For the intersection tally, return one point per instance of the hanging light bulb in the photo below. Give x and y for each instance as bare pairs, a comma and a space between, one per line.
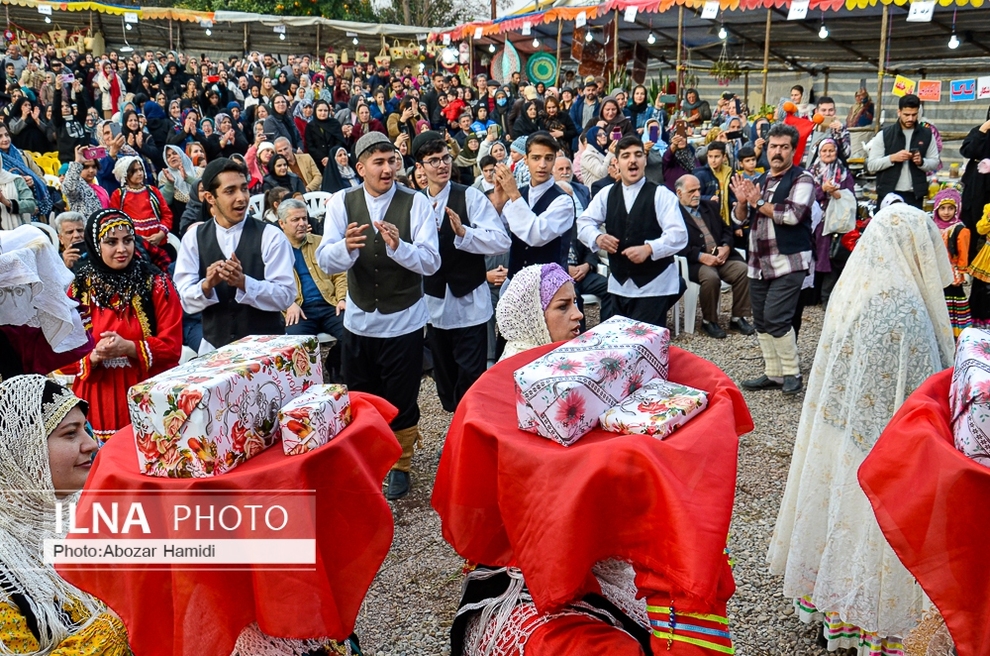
722, 34
354, 41
823, 32
651, 39
48, 19
536, 43
281, 37
127, 25
491, 48
953, 41
209, 32
589, 37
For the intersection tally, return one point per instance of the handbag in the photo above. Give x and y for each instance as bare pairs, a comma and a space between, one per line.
397, 50
840, 215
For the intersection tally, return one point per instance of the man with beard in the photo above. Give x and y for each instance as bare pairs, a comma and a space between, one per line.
236, 271
385, 237
902, 154
777, 208
644, 230
457, 295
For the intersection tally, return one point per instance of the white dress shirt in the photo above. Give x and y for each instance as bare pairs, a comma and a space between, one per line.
537, 230
422, 256
673, 239
485, 236
877, 161
274, 294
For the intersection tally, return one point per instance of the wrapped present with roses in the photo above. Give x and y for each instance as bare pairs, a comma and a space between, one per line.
969, 395
211, 414
657, 409
562, 394
313, 419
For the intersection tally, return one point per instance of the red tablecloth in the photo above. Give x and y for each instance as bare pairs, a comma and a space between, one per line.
192, 613
510, 497
933, 505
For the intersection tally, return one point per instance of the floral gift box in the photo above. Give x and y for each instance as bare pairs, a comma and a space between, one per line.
969, 395
207, 416
657, 409
313, 419
561, 394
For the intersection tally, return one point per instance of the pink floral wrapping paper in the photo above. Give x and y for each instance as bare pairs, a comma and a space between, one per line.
969, 395
561, 395
657, 409
313, 419
209, 415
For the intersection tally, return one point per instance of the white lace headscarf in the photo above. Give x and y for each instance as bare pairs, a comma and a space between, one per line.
520, 309
27, 514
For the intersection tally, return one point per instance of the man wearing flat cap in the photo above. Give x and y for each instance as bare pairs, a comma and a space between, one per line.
385, 237
236, 270
457, 295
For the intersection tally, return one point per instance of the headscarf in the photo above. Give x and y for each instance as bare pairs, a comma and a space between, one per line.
153, 110
31, 407
520, 310
282, 180
592, 138
660, 146
347, 172
125, 151
337, 177
834, 172
121, 168
688, 106
179, 175
467, 156
943, 197
97, 284
298, 111
13, 161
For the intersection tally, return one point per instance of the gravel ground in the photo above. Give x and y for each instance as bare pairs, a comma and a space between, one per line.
409, 609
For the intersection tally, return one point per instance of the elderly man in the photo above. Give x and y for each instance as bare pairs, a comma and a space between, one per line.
563, 171
301, 164
71, 227
902, 154
712, 259
321, 298
777, 207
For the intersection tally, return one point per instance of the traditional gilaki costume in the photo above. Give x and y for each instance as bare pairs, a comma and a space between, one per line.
42, 613
145, 205
956, 238
138, 303
886, 331
979, 268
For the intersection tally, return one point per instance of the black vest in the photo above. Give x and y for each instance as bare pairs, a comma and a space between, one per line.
634, 228
894, 142
522, 255
228, 320
463, 271
791, 239
376, 281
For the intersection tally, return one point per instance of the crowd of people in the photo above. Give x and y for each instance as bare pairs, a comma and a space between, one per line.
467, 220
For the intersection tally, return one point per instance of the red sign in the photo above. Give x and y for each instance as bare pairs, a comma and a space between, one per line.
929, 90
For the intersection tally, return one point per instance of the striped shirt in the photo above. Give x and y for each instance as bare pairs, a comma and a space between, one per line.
765, 260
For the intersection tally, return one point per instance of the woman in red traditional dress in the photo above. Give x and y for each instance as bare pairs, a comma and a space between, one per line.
133, 312
145, 204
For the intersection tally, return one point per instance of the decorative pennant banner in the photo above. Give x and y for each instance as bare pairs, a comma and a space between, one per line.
903, 86
983, 88
921, 11
960, 90
798, 10
929, 90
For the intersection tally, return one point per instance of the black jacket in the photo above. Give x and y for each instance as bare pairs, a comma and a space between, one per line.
696, 240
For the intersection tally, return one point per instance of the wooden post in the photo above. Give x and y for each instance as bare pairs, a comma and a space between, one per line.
826, 82
746, 88
560, 28
246, 39
680, 47
470, 54
318, 41
766, 58
615, 45
170, 34
178, 37
881, 70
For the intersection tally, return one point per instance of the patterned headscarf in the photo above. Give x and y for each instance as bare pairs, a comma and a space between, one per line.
519, 313
952, 197
834, 172
13, 161
31, 407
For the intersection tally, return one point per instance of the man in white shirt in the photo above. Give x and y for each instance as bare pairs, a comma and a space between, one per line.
385, 237
539, 215
457, 295
644, 230
235, 270
902, 154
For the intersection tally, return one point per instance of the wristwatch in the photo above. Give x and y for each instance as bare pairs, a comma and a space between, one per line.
760, 203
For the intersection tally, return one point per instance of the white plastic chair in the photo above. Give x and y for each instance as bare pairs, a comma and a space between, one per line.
256, 207
316, 203
690, 298
173, 241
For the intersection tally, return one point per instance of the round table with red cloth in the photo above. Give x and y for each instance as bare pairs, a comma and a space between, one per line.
182, 612
509, 497
933, 505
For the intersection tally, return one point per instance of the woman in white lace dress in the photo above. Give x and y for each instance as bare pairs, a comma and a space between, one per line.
887, 330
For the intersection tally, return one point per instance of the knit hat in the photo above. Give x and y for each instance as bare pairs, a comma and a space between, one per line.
422, 139
519, 145
265, 145
368, 141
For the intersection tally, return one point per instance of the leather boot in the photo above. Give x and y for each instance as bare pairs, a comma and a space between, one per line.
398, 479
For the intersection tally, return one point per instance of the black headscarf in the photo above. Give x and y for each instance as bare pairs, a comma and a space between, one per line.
98, 284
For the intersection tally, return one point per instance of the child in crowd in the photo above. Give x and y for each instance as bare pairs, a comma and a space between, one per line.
747, 163
948, 206
715, 177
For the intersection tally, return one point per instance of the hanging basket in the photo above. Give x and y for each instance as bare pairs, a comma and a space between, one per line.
383, 59
412, 51
362, 57
397, 50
